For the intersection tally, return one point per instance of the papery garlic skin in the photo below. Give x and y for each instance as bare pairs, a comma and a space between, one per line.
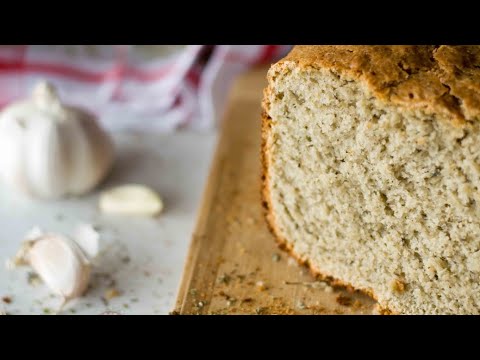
50, 150
61, 264
88, 239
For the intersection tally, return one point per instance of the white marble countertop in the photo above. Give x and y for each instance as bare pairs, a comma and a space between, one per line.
143, 258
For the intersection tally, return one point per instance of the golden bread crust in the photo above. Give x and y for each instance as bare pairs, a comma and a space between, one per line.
440, 80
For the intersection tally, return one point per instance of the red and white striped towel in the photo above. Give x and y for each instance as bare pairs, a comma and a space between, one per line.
131, 86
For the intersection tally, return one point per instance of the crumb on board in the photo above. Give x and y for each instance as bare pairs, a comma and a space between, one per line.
276, 257
224, 279
260, 310
276, 306
111, 293
311, 284
300, 305
33, 279
230, 302
7, 299
247, 300
47, 311
199, 305
110, 312
261, 286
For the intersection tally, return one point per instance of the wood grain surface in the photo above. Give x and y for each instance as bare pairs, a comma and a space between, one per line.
234, 265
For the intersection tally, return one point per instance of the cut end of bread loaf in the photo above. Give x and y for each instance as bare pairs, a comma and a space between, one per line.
373, 189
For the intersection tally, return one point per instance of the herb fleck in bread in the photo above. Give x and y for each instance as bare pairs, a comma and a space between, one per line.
372, 170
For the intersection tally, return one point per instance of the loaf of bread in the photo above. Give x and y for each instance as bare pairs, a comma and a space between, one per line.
372, 170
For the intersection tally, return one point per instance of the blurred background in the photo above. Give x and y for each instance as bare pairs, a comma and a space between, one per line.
154, 87
160, 105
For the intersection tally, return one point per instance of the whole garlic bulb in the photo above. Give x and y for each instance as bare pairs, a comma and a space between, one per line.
49, 150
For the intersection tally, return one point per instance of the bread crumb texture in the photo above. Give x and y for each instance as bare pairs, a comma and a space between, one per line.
372, 170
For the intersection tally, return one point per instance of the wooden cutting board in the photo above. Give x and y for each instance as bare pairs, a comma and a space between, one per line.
234, 265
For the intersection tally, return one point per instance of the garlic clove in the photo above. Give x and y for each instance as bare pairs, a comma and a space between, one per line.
131, 199
61, 264
88, 239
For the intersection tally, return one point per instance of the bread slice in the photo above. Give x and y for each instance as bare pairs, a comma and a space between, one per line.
372, 170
